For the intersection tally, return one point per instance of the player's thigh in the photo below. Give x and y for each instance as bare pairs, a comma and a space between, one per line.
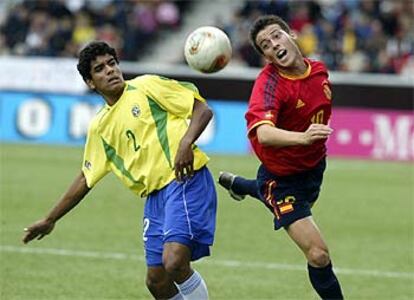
306, 234
177, 252
176, 260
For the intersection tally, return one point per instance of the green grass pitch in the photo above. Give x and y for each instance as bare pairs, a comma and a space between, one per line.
365, 211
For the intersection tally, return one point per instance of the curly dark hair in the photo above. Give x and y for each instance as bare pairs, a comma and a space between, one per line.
89, 54
262, 22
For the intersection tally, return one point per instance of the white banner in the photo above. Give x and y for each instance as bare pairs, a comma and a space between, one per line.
41, 75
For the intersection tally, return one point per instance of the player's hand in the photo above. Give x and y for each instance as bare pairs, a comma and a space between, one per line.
184, 162
38, 230
316, 132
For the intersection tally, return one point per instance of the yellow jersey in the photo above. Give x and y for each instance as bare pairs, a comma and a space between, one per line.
137, 138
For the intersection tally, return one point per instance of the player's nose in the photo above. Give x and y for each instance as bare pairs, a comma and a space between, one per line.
109, 69
275, 44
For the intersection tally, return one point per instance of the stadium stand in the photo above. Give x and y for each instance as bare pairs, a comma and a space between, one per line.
60, 27
374, 36
352, 35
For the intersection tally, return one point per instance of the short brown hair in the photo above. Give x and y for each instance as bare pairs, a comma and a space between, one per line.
89, 53
262, 22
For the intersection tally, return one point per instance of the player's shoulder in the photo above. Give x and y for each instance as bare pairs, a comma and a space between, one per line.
148, 80
94, 123
142, 79
317, 65
269, 71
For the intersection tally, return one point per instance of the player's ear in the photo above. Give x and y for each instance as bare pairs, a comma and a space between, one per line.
293, 34
90, 84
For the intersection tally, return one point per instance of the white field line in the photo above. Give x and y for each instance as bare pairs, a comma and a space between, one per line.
216, 262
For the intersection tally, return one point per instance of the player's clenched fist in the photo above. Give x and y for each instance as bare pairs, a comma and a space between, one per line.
316, 132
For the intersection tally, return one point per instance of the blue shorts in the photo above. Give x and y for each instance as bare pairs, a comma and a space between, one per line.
290, 198
182, 212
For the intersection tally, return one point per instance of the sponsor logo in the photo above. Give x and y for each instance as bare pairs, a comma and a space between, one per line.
167, 232
300, 103
88, 164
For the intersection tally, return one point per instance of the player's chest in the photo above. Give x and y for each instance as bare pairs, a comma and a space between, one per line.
133, 114
305, 96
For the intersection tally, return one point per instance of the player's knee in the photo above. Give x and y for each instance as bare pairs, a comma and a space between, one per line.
176, 261
318, 257
174, 266
160, 285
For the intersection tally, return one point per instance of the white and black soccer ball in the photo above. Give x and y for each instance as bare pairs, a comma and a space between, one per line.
207, 49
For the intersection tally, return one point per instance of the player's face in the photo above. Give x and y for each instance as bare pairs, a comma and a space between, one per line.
106, 75
278, 46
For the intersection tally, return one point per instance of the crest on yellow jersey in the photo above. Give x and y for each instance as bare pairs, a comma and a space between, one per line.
136, 111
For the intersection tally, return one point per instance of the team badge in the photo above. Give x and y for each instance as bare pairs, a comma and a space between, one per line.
136, 111
286, 205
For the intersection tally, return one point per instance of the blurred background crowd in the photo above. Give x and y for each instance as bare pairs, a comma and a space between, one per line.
349, 35
374, 36
62, 27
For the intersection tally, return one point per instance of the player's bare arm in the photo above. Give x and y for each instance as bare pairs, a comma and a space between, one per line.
75, 193
184, 159
272, 136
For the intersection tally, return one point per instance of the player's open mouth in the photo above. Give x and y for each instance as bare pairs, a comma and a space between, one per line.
281, 53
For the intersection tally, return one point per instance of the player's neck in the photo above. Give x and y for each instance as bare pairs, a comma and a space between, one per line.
112, 98
298, 68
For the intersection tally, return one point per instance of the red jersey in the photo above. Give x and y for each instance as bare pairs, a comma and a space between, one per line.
293, 104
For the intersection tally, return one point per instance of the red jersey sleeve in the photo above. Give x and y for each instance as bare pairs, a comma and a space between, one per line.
264, 104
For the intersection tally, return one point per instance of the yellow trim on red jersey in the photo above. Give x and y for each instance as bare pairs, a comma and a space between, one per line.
260, 123
296, 77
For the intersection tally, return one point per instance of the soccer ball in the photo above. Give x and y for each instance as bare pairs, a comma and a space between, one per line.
207, 49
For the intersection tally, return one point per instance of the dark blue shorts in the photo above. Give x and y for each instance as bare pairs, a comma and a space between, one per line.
290, 198
182, 212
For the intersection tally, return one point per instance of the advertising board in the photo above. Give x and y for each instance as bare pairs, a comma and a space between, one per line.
48, 118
